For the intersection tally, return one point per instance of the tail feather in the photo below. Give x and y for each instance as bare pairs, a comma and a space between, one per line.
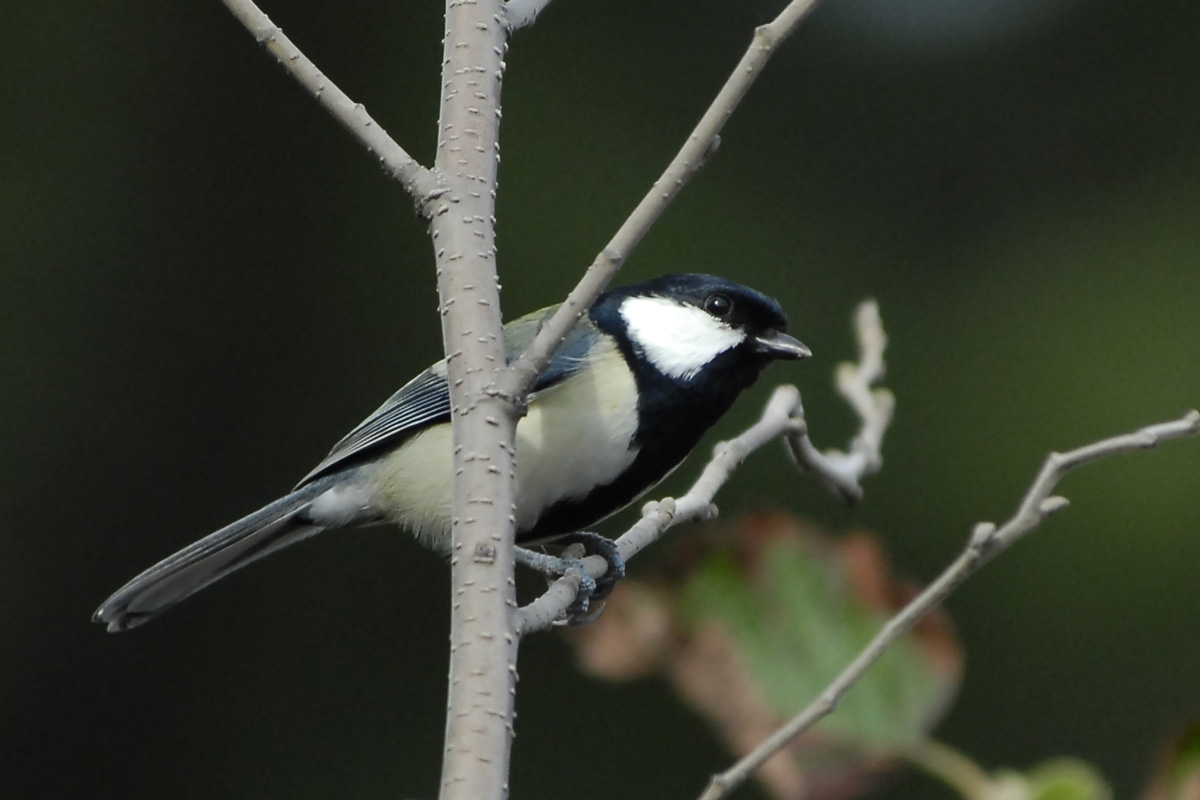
176, 577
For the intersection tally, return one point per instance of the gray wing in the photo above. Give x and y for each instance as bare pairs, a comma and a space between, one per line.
425, 400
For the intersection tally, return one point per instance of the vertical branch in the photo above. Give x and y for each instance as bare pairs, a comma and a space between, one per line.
482, 649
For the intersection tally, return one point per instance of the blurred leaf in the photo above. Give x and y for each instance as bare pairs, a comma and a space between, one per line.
1060, 779
759, 626
1178, 774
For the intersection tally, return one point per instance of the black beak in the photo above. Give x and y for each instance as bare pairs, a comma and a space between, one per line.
777, 344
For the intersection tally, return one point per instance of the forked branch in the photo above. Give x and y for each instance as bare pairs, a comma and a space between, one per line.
396, 162
841, 471
986, 541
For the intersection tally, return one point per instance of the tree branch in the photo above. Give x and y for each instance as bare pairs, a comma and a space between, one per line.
841, 472
701, 144
522, 13
483, 651
986, 542
458, 199
419, 182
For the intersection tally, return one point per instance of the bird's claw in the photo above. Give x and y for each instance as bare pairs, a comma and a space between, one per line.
596, 545
583, 609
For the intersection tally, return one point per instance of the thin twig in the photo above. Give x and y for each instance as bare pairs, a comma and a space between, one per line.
702, 143
841, 472
419, 182
985, 543
522, 13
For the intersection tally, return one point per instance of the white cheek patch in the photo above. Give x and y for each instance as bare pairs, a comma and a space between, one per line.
678, 339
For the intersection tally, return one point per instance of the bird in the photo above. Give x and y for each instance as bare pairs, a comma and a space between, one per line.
638, 380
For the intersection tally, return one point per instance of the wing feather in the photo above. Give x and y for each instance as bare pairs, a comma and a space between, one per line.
425, 400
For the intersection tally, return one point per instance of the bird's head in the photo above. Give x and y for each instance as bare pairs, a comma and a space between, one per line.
683, 324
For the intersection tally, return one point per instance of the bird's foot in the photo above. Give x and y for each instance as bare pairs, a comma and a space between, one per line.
554, 567
580, 612
596, 545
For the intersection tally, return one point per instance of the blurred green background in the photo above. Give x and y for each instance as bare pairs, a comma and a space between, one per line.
204, 283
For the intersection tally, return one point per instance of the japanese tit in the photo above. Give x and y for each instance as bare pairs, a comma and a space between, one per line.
637, 382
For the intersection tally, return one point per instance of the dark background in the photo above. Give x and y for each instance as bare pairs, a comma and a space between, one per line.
204, 283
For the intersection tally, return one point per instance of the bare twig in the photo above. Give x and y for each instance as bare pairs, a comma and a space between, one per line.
522, 13
838, 471
419, 182
986, 541
702, 143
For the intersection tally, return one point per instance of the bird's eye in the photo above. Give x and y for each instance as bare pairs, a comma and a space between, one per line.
717, 304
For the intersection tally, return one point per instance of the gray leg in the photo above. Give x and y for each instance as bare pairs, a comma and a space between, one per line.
590, 590
553, 568
596, 545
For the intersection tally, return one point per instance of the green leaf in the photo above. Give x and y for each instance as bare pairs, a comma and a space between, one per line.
758, 624
799, 610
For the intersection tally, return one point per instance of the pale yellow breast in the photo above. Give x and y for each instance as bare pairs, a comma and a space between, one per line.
557, 457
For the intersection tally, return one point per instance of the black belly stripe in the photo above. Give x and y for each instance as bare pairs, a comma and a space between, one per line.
673, 417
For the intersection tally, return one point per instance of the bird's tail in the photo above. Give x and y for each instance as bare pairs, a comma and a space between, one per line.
271, 528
